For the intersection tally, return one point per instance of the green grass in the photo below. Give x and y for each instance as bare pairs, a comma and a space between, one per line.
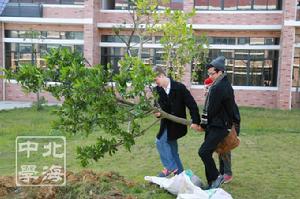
266, 165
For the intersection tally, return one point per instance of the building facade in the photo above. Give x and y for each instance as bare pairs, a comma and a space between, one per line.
259, 38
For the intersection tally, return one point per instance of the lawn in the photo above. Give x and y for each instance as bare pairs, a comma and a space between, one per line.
266, 165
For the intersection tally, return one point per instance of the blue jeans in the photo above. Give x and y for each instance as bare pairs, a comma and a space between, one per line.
168, 152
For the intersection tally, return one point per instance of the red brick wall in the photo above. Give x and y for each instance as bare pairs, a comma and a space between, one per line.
266, 99
14, 92
50, 12
43, 27
238, 19
198, 95
295, 100
289, 9
186, 79
91, 34
286, 57
113, 18
209, 18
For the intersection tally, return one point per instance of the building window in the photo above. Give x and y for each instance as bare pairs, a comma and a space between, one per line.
128, 5
32, 34
48, 1
17, 54
73, 35
238, 4
257, 41
121, 38
296, 71
112, 55
222, 40
243, 67
244, 40
246, 67
11, 34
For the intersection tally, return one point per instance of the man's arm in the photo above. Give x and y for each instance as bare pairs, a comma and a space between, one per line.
190, 102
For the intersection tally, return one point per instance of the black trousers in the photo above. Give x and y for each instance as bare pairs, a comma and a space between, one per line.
213, 136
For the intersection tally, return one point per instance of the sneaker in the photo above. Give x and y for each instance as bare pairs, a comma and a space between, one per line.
227, 178
217, 182
165, 172
175, 172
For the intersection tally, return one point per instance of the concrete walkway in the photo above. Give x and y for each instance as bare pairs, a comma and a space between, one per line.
7, 105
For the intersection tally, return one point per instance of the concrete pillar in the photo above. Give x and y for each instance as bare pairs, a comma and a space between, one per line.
1, 61
187, 77
284, 96
188, 6
91, 36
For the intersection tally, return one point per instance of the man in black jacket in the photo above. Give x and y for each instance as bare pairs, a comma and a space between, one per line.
225, 158
173, 99
218, 111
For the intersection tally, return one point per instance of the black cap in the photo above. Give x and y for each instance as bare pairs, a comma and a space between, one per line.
218, 63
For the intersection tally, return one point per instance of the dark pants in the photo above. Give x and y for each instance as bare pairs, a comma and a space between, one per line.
213, 136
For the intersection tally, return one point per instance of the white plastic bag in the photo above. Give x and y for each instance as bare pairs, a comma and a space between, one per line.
182, 186
212, 194
179, 184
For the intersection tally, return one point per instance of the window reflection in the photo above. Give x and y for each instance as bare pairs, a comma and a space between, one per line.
247, 67
296, 71
238, 4
34, 34
49, 1
128, 4
17, 54
244, 67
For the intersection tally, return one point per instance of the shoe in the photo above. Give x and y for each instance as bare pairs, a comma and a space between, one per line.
176, 172
165, 172
217, 182
227, 178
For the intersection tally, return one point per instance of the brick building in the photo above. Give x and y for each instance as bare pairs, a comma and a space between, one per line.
259, 38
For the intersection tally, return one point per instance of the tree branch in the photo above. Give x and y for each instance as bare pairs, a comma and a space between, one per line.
164, 115
141, 133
